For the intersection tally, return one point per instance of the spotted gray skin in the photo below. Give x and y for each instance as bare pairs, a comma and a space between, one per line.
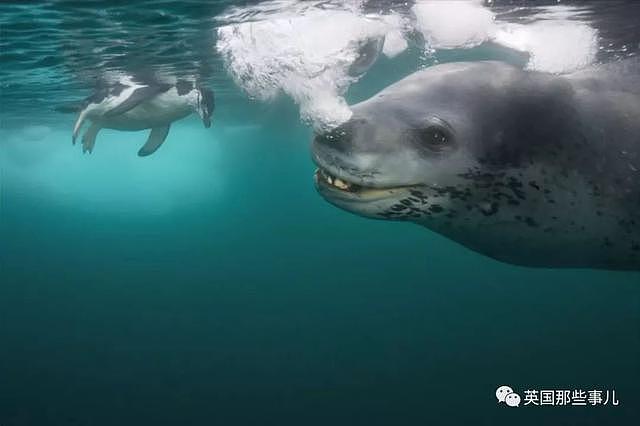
528, 168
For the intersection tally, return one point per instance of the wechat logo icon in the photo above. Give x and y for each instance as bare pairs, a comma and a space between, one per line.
508, 396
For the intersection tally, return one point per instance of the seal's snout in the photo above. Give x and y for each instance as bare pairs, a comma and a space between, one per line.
340, 138
337, 138
335, 154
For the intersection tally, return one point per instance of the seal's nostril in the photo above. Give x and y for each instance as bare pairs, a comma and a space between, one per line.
342, 137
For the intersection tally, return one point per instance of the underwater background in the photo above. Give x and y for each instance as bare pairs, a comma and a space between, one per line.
209, 284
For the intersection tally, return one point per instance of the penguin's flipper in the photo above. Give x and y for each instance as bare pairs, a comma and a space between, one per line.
139, 95
78, 125
156, 137
89, 138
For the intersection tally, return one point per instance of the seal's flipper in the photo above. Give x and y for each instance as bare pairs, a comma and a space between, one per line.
139, 95
89, 138
156, 137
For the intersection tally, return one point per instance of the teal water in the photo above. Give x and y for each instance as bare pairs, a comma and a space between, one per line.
210, 285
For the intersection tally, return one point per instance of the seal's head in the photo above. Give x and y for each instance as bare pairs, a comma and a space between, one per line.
484, 153
418, 138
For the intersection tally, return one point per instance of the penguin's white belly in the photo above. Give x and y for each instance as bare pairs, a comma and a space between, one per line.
153, 113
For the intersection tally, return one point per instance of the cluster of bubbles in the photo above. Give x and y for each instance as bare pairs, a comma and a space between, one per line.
313, 51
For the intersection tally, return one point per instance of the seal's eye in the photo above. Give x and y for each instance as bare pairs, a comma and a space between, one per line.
435, 137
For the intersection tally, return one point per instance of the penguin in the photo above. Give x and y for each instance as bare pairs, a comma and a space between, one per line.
130, 106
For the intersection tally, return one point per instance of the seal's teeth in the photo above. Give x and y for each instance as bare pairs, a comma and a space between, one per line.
340, 184
336, 182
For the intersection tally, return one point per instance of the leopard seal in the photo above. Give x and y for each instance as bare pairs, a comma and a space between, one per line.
525, 167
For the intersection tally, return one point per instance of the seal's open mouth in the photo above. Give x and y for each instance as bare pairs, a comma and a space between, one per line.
334, 187
324, 177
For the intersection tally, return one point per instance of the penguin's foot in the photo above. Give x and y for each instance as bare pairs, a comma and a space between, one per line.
89, 138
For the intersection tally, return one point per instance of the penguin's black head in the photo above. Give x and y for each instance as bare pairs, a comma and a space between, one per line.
206, 104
